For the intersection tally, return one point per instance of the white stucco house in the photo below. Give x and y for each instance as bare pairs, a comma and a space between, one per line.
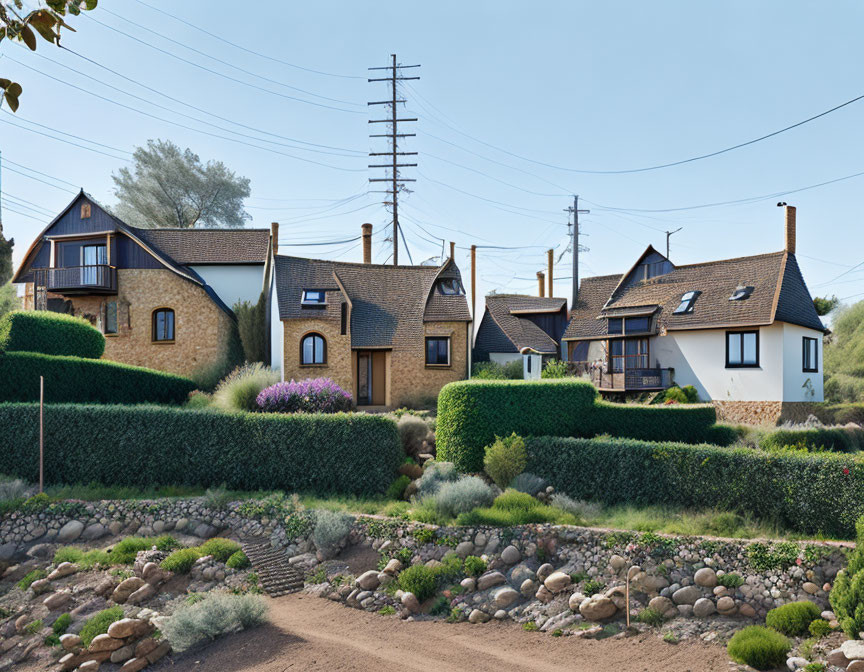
744, 332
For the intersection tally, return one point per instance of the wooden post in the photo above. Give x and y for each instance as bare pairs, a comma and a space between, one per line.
551, 260
41, 434
630, 574
473, 284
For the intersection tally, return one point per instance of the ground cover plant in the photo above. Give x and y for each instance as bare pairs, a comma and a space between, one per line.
98, 624
759, 647
215, 615
794, 618
181, 560
314, 395
516, 508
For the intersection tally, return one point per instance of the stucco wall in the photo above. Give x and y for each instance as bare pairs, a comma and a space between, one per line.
233, 282
799, 385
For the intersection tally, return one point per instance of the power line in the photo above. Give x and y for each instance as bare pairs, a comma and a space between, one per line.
68, 142
250, 51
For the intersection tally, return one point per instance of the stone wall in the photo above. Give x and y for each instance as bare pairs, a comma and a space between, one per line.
762, 412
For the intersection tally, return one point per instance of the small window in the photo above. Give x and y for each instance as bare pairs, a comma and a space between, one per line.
163, 325
343, 327
637, 325
313, 349
742, 349
687, 301
85, 211
741, 293
313, 297
811, 355
110, 324
615, 325
451, 287
529, 363
437, 351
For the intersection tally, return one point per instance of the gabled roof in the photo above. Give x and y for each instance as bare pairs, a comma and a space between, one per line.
779, 293
509, 313
209, 246
389, 304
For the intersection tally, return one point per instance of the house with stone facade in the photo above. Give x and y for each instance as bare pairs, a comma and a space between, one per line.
390, 335
743, 331
161, 297
518, 327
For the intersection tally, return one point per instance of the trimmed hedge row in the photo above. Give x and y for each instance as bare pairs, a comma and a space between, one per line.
148, 445
472, 413
836, 439
811, 493
50, 333
80, 380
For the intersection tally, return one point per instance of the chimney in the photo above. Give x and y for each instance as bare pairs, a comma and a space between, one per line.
541, 283
367, 243
790, 228
274, 235
452, 250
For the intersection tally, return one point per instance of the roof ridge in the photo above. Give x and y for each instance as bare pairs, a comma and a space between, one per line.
190, 229
360, 263
725, 261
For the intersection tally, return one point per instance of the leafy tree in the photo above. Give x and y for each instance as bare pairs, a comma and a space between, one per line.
22, 26
844, 356
9, 300
170, 187
825, 305
5, 258
252, 325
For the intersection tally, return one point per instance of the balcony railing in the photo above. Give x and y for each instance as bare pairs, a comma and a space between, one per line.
635, 379
99, 278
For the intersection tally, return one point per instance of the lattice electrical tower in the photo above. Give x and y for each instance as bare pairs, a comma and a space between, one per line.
391, 168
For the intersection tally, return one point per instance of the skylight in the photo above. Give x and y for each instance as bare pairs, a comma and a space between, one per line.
313, 297
741, 293
687, 301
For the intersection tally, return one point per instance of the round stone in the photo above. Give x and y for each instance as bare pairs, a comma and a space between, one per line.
705, 577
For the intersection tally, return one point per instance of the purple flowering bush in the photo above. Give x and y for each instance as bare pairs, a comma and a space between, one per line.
313, 395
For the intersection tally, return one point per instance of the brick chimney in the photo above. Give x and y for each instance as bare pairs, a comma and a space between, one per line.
367, 243
274, 236
790, 228
452, 250
541, 283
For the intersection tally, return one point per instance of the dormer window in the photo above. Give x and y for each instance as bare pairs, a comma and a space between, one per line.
313, 297
741, 293
686, 305
451, 287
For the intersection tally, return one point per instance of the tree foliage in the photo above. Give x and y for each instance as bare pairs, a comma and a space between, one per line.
18, 24
170, 187
9, 300
844, 356
252, 325
825, 304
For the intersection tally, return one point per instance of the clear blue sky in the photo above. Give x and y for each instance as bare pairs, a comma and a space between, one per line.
584, 85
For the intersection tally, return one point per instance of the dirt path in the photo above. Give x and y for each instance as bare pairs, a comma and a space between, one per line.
310, 634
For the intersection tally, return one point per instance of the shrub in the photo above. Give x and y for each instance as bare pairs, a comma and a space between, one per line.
434, 476
515, 508
793, 619
840, 414
731, 580
675, 394
318, 395
474, 566
30, 577
528, 483
420, 580
80, 380
837, 439
397, 487
61, 625
252, 328
219, 548
240, 389
505, 459
554, 368
350, 453
217, 614
98, 624
495, 371
759, 647
12, 489
181, 560
217, 497
809, 493
238, 560
461, 496
651, 617
50, 334
819, 627
847, 595
33, 627
592, 587
413, 432
331, 527
582, 511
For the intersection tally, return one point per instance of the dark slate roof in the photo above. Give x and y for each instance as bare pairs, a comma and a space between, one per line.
491, 338
508, 312
389, 303
779, 293
209, 246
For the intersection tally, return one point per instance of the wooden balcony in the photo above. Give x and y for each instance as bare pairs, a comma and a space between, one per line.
97, 279
636, 379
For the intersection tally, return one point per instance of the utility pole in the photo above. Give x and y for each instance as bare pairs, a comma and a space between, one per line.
550, 262
668, 234
574, 235
473, 285
395, 182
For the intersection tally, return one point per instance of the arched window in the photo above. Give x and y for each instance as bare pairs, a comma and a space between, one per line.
163, 325
313, 349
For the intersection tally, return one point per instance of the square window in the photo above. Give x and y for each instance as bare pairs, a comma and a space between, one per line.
635, 325
438, 351
615, 325
313, 297
742, 349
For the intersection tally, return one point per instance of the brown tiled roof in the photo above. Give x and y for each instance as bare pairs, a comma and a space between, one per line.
209, 246
509, 312
779, 293
389, 303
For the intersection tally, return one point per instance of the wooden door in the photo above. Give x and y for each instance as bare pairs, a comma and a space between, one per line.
379, 378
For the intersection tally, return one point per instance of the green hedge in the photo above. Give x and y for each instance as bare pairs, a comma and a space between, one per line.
472, 413
811, 493
150, 446
80, 380
50, 333
836, 439
839, 414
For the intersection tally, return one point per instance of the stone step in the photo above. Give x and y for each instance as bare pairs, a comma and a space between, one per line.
277, 576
